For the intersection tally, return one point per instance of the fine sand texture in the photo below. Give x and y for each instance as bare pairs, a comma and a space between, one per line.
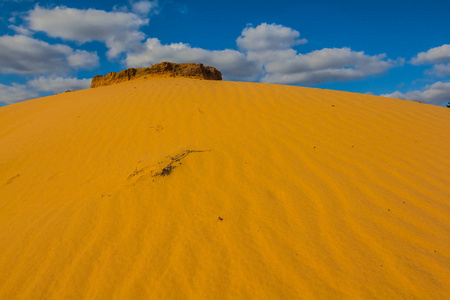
192, 189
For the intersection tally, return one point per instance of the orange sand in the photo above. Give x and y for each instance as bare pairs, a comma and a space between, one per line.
322, 194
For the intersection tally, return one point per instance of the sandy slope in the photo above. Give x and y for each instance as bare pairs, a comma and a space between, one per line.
323, 194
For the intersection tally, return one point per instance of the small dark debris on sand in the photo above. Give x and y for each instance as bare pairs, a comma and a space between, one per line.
12, 179
167, 170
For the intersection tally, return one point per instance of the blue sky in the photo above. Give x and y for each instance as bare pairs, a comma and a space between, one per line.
393, 48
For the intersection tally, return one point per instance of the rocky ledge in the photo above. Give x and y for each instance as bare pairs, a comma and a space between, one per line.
164, 69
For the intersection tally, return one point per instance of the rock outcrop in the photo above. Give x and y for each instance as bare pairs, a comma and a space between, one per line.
164, 69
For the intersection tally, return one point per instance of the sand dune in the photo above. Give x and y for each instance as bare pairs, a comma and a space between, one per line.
191, 189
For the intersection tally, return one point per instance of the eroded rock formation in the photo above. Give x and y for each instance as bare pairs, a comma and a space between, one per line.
164, 69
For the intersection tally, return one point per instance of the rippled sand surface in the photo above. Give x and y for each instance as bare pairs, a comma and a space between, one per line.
191, 189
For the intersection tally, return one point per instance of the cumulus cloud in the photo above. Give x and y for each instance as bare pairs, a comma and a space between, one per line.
439, 57
144, 7
329, 64
436, 93
440, 70
233, 64
120, 31
24, 55
82, 59
19, 92
21, 30
266, 53
16, 92
435, 55
270, 46
59, 84
265, 37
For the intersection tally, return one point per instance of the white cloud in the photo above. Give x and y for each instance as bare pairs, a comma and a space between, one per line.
330, 58
436, 93
440, 70
82, 59
59, 84
271, 47
24, 55
266, 53
120, 31
232, 63
21, 30
435, 55
19, 92
265, 37
15, 93
328, 64
144, 7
